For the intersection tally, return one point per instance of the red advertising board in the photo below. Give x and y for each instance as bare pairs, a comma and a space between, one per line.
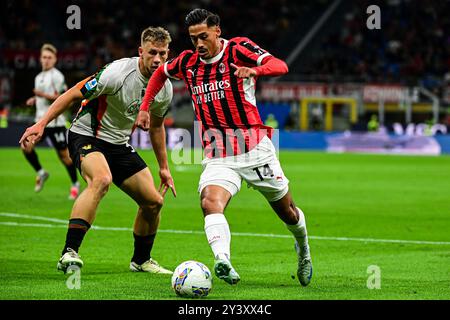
284, 91
389, 93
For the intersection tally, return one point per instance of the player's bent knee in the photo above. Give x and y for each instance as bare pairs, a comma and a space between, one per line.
26, 149
212, 205
153, 206
101, 183
157, 203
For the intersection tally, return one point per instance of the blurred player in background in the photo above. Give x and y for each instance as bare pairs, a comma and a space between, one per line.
48, 86
220, 77
98, 145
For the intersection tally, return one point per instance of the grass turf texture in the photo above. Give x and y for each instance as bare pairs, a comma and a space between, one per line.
342, 195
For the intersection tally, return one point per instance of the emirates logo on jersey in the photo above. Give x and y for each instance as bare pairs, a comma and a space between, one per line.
221, 68
208, 92
211, 86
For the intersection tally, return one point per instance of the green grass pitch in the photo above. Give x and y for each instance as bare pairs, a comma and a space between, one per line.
351, 201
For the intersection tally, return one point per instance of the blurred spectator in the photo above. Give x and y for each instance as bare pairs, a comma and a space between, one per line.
412, 47
317, 117
290, 123
271, 121
373, 125
110, 29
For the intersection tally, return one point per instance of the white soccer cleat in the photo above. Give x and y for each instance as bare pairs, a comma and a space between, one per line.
40, 180
74, 191
225, 271
150, 266
70, 258
304, 269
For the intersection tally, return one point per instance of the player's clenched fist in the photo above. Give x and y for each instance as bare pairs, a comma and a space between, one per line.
143, 120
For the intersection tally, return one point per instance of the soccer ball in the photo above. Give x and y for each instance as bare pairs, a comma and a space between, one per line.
192, 279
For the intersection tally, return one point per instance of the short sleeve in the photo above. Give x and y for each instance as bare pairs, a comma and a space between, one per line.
249, 53
106, 81
59, 82
161, 104
174, 67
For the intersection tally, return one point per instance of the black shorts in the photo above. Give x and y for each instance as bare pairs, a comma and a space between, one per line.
57, 136
123, 160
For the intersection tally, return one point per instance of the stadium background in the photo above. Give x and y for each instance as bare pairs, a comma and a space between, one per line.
399, 73
341, 75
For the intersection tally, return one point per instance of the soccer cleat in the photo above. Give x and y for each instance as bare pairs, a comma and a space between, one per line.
305, 269
74, 191
70, 258
150, 266
40, 180
225, 271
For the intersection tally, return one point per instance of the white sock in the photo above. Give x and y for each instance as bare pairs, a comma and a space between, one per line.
299, 229
41, 171
218, 235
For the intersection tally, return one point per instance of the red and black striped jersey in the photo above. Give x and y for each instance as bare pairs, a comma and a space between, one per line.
223, 103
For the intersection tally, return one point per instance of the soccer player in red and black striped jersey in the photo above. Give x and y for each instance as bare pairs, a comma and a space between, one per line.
220, 76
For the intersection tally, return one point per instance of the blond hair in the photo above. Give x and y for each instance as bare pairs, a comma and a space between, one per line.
155, 34
49, 47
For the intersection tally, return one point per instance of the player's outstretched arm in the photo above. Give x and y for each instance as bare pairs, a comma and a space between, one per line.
154, 85
34, 133
158, 139
270, 66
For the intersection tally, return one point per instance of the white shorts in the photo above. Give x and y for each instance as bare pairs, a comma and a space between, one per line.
260, 168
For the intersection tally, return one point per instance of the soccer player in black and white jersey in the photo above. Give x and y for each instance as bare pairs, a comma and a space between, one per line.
48, 86
98, 145
220, 76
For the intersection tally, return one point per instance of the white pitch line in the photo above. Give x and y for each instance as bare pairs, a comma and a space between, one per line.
34, 225
32, 217
242, 234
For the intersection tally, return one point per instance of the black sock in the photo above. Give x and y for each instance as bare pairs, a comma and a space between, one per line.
72, 173
142, 248
75, 234
32, 158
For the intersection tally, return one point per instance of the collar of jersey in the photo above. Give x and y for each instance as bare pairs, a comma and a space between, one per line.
141, 76
49, 70
219, 56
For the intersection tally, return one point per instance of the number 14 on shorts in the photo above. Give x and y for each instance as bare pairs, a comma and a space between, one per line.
264, 171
